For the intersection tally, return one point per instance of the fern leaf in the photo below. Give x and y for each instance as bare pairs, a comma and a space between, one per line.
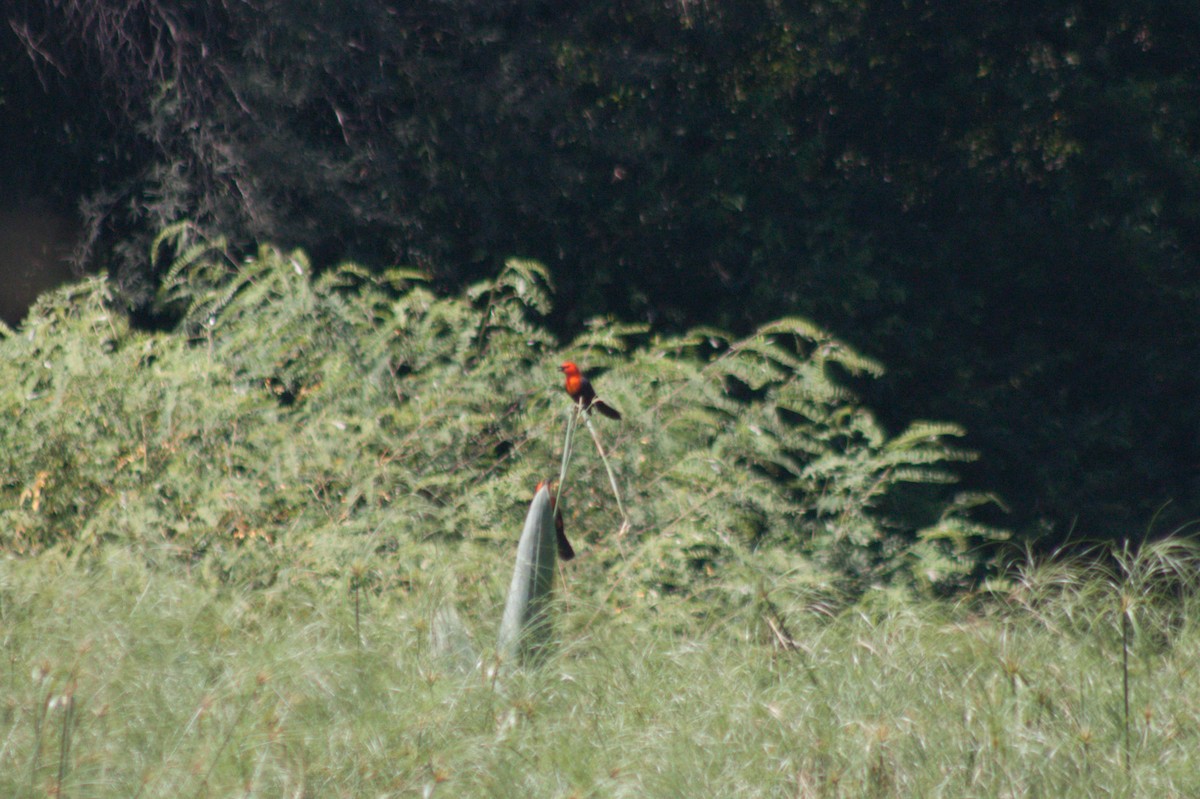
795, 326
923, 433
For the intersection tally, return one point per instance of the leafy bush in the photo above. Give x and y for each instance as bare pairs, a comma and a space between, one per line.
291, 426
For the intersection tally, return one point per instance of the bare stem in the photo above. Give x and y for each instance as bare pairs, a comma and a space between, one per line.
612, 478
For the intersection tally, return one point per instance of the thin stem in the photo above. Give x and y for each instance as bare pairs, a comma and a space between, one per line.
568, 445
612, 478
64, 750
357, 628
203, 788
1125, 677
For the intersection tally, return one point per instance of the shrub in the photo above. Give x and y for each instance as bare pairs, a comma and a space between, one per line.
290, 426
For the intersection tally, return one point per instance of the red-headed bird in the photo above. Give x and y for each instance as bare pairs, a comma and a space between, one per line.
565, 551
580, 390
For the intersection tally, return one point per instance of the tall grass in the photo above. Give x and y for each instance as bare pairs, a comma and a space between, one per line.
121, 681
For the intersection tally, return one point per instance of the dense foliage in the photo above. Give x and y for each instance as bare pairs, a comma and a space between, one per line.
999, 200
292, 424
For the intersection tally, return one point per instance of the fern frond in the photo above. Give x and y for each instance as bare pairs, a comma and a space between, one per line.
177, 233
924, 433
916, 474
711, 337
755, 372
849, 359
795, 326
607, 336
766, 349
530, 281
399, 279
343, 276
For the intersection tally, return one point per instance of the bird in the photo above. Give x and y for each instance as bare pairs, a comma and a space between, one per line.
579, 388
565, 550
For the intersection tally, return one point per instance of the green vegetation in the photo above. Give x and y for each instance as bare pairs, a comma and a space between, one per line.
300, 425
266, 553
121, 680
258, 513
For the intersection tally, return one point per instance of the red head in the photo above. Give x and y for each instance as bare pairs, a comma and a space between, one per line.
569, 369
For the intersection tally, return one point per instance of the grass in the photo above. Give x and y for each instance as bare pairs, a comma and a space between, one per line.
122, 681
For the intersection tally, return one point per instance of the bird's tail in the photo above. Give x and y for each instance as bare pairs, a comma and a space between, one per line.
565, 551
607, 410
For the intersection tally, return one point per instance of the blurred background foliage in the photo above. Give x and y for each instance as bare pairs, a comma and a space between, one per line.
998, 201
